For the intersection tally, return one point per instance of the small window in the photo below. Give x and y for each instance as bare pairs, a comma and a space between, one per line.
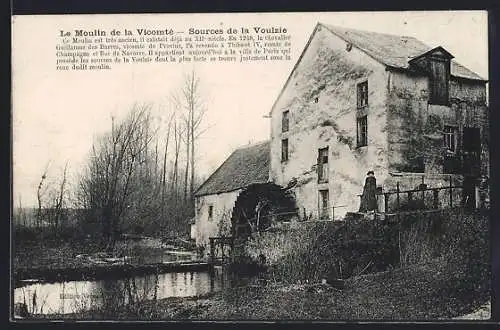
324, 204
450, 138
284, 150
210, 212
323, 165
285, 121
363, 94
362, 131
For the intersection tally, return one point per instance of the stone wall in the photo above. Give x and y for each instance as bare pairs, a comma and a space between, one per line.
403, 128
321, 97
415, 127
221, 219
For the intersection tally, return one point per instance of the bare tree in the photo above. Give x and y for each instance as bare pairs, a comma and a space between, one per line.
127, 183
39, 195
178, 137
21, 214
164, 170
191, 102
59, 203
118, 160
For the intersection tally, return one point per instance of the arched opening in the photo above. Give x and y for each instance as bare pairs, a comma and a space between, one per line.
260, 205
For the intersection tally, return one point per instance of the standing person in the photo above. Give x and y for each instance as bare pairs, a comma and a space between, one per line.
369, 199
483, 192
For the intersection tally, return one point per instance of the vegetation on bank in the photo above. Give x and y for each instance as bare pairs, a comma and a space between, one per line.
39, 253
421, 292
444, 274
139, 176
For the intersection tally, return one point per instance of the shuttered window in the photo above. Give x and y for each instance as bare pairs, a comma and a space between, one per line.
285, 121
362, 131
324, 204
210, 212
323, 165
362, 92
284, 150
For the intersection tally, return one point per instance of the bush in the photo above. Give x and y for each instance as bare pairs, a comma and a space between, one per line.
423, 236
67, 233
328, 251
25, 234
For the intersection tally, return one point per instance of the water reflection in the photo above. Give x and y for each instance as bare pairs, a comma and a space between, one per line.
76, 296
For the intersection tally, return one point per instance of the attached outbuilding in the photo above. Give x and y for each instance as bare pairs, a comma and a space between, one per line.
216, 197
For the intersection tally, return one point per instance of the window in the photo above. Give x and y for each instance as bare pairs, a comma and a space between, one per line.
324, 204
438, 81
323, 165
210, 212
284, 150
363, 94
450, 138
362, 131
285, 120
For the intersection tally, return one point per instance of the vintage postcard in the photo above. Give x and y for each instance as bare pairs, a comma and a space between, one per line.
251, 166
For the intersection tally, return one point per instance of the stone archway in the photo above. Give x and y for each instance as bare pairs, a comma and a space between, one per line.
258, 206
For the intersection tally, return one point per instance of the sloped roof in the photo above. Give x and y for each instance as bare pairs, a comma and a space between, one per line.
392, 50
243, 167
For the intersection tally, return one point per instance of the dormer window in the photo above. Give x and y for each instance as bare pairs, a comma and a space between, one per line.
436, 64
439, 80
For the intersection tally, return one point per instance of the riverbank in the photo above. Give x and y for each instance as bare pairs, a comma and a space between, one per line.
435, 290
58, 260
103, 271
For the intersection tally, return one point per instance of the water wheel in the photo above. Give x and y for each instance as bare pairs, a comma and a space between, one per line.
258, 206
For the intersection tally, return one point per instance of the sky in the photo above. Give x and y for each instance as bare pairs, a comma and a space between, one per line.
57, 114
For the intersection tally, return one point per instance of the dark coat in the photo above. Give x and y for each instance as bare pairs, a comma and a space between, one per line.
369, 199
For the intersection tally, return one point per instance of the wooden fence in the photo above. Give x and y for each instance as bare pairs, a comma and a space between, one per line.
220, 249
416, 198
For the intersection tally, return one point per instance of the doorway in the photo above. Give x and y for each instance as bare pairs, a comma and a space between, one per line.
471, 151
469, 192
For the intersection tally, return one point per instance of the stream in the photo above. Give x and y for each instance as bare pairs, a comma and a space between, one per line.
76, 296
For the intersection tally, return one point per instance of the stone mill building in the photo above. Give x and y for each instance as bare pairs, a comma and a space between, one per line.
358, 101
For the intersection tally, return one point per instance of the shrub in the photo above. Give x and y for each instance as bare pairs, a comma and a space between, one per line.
327, 250
330, 251
25, 234
423, 236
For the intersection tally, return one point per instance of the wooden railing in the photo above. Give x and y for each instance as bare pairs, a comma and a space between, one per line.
419, 195
220, 244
